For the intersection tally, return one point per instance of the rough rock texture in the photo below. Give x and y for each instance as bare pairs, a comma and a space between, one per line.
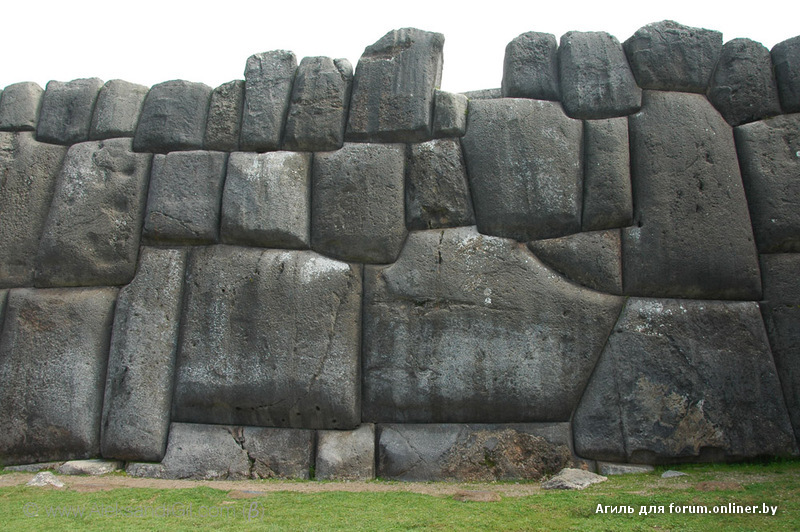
89, 467
92, 233
34, 468
53, 355
268, 86
669, 56
279, 453
319, 103
173, 117
28, 171
471, 328
572, 479
596, 80
682, 381
117, 111
66, 112
19, 106
267, 200
437, 194
357, 209
769, 156
346, 455
225, 117
183, 204
45, 478
269, 338
141, 363
524, 166
3, 299
743, 87
786, 62
612, 468
484, 94
607, 195
449, 114
530, 67
393, 87
692, 236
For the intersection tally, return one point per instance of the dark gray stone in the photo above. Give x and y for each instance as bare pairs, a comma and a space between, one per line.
34, 468
607, 195
572, 479
66, 112
393, 88
530, 67
449, 114
268, 87
769, 157
692, 236
224, 123
92, 233
173, 117
269, 338
279, 453
319, 103
3, 299
786, 61
524, 166
346, 455
19, 106
471, 328
357, 209
684, 381
94, 466
183, 204
267, 200
141, 363
484, 94
596, 80
53, 355
669, 56
743, 87
117, 111
437, 194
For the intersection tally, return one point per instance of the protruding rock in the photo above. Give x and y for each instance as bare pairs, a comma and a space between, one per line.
173, 117
530, 68
45, 478
279, 453
117, 111
607, 195
786, 61
66, 112
572, 479
224, 123
449, 114
19, 106
346, 455
268, 86
92, 467
484, 94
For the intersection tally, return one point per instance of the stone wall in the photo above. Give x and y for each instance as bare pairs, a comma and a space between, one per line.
317, 271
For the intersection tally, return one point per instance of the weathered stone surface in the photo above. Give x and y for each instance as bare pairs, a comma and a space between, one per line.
596, 80
117, 111
437, 194
786, 62
66, 112
530, 67
45, 478
319, 103
743, 87
449, 114
34, 468
669, 56
268, 86
89, 467
484, 94
572, 479
19, 106
3, 299
769, 157
28, 172
346, 455
673, 474
92, 232
183, 204
692, 235
470, 328
607, 195
141, 363
684, 380
279, 453
269, 338
524, 166
267, 200
53, 355
357, 209
591, 259
225, 117
173, 117
612, 468
393, 87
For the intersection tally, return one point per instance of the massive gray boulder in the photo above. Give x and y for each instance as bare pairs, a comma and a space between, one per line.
224, 123
173, 117
66, 112
346, 454
786, 62
449, 114
607, 195
19, 106
279, 453
268, 85
530, 67
117, 110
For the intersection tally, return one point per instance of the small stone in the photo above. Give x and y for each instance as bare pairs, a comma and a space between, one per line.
225, 117
90, 467
173, 117
268, 87
117, 111
572, 479
66, 113
45, 478
673, 474
530, 68
19, 107
449, 114
786, 60
611, 468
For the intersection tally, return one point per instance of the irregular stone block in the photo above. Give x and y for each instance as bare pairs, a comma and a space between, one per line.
786, 61
28, 171
45, 478
437, 194
269, 338
524, 166
319, 103
117, 111
484, 94
267, 200
92, 233
53, 356
183, 204
530, 67
224, 123
173, 117
393, 88
449, 114
90, 467
268, 85
66, 112
279, 453
141, 364
672, 57
471, 328
346, 455
607, 195
743, 87
769, 157
684, 380
19, 106
357, 210
692, 236
572, 479
596, 80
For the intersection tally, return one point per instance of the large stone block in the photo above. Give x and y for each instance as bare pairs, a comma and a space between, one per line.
117, 111
19, 106
53, 355
346, 454
524, 166
530, 67
472, 328
65, 116
268, 86
279, 453
173, 117
786, 61
607, 194
449, 114
224, 123
92, 233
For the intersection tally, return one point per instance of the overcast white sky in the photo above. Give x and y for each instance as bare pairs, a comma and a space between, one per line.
150, 41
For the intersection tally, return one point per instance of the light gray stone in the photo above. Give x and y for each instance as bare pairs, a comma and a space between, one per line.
268, 86
224, 123
613, 468
279, 453
19, 106
672, 474
607, 194
346, 455
173, 117
786, 62
530, 67
449, 114
92, 467
117, 111
572, 479
65, 116
45, 478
